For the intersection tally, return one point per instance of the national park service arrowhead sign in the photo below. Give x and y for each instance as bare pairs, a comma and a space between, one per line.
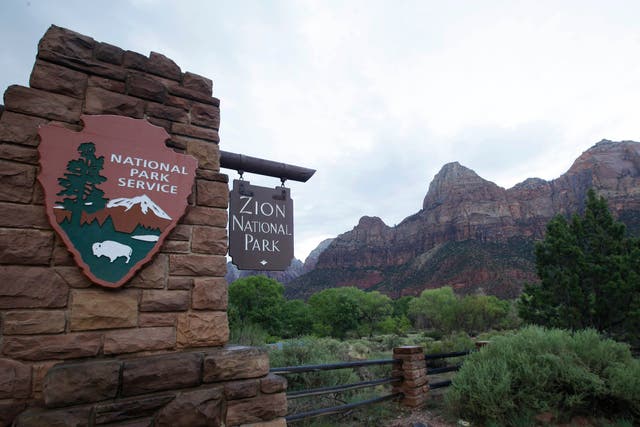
113, 192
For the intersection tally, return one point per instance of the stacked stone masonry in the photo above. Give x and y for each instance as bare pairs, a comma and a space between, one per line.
413, 370
73, 353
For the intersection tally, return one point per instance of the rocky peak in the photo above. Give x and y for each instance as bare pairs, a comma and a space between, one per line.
455, 181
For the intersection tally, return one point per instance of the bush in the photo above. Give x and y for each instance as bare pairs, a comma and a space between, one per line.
539, 370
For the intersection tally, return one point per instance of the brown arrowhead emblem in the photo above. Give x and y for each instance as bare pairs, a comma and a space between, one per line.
113, 192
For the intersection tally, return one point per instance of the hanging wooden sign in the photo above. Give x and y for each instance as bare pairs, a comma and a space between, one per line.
260, 227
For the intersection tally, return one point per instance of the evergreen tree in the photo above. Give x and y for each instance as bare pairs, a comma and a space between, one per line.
589, 274
80, 183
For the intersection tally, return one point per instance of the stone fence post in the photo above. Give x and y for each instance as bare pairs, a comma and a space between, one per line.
413, 370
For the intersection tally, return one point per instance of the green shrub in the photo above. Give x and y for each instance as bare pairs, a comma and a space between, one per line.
247, 333
546, 370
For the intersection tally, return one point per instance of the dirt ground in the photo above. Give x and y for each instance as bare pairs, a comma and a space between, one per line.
421, 417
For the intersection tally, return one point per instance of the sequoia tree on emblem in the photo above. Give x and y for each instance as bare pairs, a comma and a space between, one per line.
113, 192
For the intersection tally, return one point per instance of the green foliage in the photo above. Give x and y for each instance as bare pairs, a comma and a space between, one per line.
443, 312
589, 275
246, 333
80, 183
537, 370
435, 308
339, 312
257, 300
297, 319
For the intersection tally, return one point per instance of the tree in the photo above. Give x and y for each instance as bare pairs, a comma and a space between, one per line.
434, 308
258, 300
336, 311
589, 274
80, 183
297, 319
374, 308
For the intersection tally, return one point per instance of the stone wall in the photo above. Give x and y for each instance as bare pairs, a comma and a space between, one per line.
153, 351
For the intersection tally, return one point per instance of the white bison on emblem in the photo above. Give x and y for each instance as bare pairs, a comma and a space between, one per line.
112, 250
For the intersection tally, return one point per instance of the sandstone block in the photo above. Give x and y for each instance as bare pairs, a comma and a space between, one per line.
88, 66
212, 175
273, 384
54, 78
29, 322
261, 408
42, 104
18, 153
205, 115
135, 61
15, 379
109, 53
100, 101
166, 124
415, 357
39, 373
153, 275
144, 86
197, 83
9, 411
146, 320
31, 287
180, 282
20, 128
73, 277
201, 215
409, 365
194, 95
181, 232
16, 215
166, 112
408, 349
236, 362
241, 389
197, 265
415, 383
195, 132
126, 409
198, 408
61, 255
85, 382
25, 246
107, 84
211, 193
16, 182
209, 240
67, 42
166, 372
139, 339
208, 154
67, 417
176, 246
160, 300
202, 329
97, 309
162, 66
209, 293
45, 347
176, 101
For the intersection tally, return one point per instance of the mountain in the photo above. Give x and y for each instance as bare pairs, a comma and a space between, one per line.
126, 214
144, 202
294, 270
472, 234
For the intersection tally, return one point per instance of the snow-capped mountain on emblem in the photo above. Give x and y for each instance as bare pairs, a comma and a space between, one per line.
145, 204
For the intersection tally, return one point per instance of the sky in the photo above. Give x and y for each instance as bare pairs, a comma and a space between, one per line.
378, 95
